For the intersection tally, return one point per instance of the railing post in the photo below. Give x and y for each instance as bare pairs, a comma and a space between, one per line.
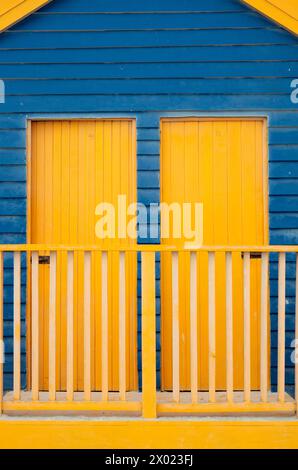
148, 335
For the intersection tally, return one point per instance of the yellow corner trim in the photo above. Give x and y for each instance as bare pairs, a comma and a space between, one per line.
283, 12
12, 11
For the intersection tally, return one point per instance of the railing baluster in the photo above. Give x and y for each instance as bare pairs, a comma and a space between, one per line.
35, 326
264, 328
229, 327
104, 327
247, 339
296, 338
87, 325
1, 333
148, 336
175, 327
17, 326
281, 325
193, 327
52, 326
212, 327
122, 327
70, 324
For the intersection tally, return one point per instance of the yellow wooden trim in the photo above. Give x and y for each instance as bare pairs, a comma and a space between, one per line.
12, 11
148, 335
153, 248
227, 408
30, 406
283, 12
151, 434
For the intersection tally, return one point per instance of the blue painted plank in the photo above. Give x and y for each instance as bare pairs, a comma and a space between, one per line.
284, 152
12, 172
148, 86
153, 70
283, 204
284, 169
146, 21
12, 156
12, 206
12, 190
151, 54
283, 136
77, 39
126, 103
79, 6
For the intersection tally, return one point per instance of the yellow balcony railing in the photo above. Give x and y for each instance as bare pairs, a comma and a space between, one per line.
239, 395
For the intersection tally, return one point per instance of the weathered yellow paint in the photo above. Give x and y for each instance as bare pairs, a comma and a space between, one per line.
151, 434
75, 165
12, 11
283, 12
220, 163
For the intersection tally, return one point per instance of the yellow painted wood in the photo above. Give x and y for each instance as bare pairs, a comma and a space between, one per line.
17, 326
296, 336
87, 325
264, 327
12, 11
211, 327
229, 326
149, 434
70, 322
283, 12
1, 332
175, 328
222, 164
148, 336
122, 327
77, 165
247, 326
35, 326
104, 327
193, 327
52, 327
281, 325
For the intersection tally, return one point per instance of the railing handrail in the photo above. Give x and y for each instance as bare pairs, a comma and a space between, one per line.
152, 248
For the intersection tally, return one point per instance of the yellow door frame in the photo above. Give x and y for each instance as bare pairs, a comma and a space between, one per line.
265, 165
29, 211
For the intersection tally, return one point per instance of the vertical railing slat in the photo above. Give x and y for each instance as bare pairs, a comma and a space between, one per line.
148, 336
229, 326
35, 325
122, 327
70, 326
296, 338
175, 328
212, 327
87, 325
1, 333
264, 327
247, 327
281, 325
17, 326
52, 326
193, 327
104, 327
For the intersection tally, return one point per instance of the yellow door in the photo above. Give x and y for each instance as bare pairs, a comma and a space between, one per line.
75, 166
219, 163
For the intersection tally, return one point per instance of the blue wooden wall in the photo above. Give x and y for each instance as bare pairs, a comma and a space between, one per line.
158, 58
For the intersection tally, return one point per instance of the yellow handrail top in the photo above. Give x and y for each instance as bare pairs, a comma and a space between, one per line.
152, 248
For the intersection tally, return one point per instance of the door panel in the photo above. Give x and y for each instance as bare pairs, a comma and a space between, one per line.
219, 163
75, 166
